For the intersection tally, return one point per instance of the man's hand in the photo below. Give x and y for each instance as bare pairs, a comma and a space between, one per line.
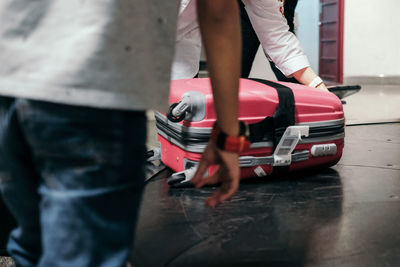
228, 173
322, 87
306, 75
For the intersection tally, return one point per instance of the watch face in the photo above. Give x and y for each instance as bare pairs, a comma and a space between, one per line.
244, 129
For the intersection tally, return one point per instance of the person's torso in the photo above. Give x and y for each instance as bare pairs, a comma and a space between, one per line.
109, 53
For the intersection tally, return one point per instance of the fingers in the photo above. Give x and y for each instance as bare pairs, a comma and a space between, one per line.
213, 200
212, 179
228, 174
228, 188
226, 191
198, 176
323, 87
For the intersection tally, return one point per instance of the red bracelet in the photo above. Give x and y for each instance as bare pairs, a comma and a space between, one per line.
229, 143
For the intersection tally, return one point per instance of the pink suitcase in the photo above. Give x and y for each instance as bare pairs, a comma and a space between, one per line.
292, 127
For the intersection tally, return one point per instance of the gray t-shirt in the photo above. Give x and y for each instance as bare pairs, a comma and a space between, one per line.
98, 53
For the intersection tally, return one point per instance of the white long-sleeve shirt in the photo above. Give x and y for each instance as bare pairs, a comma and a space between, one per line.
282, 46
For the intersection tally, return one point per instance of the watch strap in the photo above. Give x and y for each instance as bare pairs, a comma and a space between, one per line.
231, 143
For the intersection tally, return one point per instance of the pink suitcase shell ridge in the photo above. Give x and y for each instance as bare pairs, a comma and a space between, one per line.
311, 105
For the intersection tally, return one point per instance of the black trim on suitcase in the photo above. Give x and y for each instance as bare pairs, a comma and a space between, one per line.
283, 117
192, 138
277, 124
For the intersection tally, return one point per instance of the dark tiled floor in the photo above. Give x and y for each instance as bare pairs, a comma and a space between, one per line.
344, 216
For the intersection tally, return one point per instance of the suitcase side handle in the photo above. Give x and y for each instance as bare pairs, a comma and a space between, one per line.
289, 140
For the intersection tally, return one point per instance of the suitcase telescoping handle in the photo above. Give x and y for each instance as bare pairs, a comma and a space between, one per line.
177, 111
192, 107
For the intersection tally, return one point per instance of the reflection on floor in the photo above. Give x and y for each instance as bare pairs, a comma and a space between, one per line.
344, 216
373, 104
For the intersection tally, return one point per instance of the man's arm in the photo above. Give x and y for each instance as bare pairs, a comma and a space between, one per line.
220, 28
306, 76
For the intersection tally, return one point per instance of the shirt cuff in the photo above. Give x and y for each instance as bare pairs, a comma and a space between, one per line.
294, 64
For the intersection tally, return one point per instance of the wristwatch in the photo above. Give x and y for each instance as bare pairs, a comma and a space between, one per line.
229, 143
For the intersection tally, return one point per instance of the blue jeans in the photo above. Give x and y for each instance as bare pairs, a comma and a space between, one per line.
73, 178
